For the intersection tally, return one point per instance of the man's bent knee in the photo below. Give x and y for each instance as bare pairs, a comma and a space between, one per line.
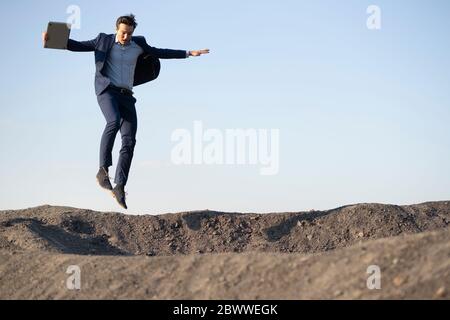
113, 125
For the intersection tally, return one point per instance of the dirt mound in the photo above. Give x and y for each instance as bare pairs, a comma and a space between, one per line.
218, 255
414, 266
78, 231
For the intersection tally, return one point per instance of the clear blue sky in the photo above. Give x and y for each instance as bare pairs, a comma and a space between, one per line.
363, 115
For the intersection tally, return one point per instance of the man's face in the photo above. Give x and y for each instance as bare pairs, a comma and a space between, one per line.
124, 33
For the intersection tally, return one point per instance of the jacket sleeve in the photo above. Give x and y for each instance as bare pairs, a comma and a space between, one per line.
164, 53
82, 46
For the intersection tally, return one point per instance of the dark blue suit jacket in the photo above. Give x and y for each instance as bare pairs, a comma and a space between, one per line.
147, 67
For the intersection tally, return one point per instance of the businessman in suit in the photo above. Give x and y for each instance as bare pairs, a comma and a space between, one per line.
122, 61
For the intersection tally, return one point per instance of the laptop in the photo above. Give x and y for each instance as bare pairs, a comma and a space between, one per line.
57, 34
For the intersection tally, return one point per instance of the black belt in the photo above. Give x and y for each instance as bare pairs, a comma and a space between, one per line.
125, 91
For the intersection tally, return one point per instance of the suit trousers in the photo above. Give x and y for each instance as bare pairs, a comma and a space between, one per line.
120, 114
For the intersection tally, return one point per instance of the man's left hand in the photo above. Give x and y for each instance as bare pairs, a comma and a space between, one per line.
197, 53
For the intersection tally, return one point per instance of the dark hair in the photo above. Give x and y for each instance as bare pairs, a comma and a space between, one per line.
129, 20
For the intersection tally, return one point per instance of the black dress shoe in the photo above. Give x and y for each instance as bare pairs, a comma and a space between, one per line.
119, 194
103, 179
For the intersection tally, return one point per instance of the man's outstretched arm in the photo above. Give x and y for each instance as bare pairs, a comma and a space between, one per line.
79, 46
174, 54
170, 53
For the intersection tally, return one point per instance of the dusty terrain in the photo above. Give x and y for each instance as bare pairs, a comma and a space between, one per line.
217, 255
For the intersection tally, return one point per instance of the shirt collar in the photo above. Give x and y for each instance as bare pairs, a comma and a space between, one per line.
117, 41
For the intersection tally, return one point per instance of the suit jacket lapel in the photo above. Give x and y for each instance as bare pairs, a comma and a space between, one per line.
110, 42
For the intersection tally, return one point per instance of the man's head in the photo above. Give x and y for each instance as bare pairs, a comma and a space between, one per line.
125, 26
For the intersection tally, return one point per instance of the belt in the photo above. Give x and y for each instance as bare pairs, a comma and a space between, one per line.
124, 91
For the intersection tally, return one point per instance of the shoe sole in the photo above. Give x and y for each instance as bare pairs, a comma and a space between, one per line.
114, 196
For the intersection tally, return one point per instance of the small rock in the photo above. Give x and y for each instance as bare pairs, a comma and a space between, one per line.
361, 234
399, 280
440, 293
216, 233
303, 259
395, 261
309, 237
113, 239
338, 293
